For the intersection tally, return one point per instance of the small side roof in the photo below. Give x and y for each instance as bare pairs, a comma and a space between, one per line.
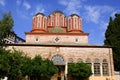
74, 15
39, 14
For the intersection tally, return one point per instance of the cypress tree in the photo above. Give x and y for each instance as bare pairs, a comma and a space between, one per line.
112, 38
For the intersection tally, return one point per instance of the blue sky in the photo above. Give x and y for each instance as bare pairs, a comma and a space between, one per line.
94, 13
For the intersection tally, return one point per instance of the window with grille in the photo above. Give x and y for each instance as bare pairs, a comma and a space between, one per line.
96, 67
105, 68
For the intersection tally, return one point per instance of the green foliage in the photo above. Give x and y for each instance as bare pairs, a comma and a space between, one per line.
48, 68
6, 24
4, 65
38, 68
26, 68
16, 66
112, 38
79, 70
10, 64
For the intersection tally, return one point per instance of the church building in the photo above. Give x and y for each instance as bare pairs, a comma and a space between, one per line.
62, 40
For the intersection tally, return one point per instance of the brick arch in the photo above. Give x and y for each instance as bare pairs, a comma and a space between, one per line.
88, 60
96, 60
70, 60
79, 60
104, 61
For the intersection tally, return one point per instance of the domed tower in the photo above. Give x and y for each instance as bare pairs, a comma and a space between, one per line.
57, 18
56, 28
39, 22
74, 23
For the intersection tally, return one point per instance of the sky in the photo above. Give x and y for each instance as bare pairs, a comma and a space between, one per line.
95, 14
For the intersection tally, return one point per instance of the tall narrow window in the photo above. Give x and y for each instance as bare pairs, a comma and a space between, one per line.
39, 22
69, 24
63, 21
33, 22
105, 67
52, 20
57, 20
44, 23
96, 67
75, 22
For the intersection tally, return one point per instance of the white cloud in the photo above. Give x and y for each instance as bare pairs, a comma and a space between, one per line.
2, 2
18, 2
114, 12
39, 8
103, 25
26, 5
63, 2
94, 13
72, 6
22, 14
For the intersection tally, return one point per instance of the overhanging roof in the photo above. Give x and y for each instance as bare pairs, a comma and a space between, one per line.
59, 45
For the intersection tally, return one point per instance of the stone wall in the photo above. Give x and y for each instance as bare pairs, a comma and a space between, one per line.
73, 53
47, 38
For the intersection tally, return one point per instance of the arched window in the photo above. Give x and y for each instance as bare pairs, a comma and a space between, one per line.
105, 67
39, 21
69, 24
57, 20
88, 61
96, 67
44, 22
52, 21
75, 23
33, 22
79, 60
58, 60
70, 60
62, 21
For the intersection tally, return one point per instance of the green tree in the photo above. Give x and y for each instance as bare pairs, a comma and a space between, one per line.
79, 70
27, 67
112, 38
48, 69
4, 65
6, 24
15, 61
36, 68
10, 64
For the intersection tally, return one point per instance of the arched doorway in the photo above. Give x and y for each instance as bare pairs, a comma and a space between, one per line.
59, 61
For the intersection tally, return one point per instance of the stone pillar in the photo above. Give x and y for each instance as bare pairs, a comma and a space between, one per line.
101, 71
66, 70
92, 67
